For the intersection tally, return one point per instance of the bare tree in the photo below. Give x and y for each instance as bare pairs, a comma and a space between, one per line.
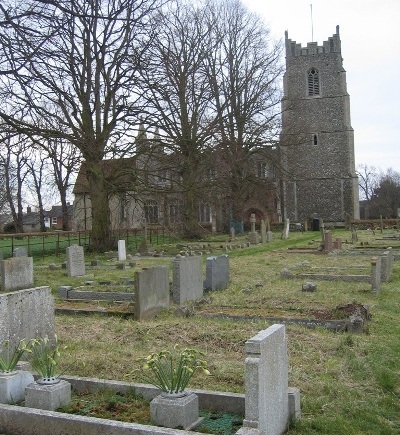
78, 59
178, 100
244, 74
13, 163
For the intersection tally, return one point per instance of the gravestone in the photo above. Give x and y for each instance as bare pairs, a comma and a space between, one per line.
328, 245
385, 267
337, 244
26, 314
263, 232
253, 237
270, 235
75, 261
16, 273
20, 252
187, 282
376, 274
266, 383
232, 231
217, 272
286, 228
121, 250
151, 292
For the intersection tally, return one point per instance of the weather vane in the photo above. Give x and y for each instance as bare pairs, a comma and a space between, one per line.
312, 25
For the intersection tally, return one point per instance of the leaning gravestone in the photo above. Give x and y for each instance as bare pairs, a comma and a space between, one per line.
75, 261
187, 282
16, 273
151, 292
217, 272
266, 383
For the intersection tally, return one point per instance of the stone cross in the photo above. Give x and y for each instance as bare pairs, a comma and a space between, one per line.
253, 222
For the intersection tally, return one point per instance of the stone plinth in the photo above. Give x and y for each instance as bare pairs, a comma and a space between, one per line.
12, 386
48, 397
175, 412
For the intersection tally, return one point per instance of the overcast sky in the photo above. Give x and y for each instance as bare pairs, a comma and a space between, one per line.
370, 36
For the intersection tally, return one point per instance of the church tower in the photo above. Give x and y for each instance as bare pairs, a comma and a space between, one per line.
317, 140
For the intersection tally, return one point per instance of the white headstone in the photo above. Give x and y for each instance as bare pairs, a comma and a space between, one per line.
121, 250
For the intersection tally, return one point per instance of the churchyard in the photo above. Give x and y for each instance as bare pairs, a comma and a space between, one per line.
348, 379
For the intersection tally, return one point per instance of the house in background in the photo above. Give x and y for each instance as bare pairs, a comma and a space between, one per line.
53, 217
31, 220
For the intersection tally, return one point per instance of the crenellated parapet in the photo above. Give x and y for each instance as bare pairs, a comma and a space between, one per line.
332, 45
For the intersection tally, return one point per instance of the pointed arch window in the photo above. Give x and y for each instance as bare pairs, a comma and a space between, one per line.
313, 82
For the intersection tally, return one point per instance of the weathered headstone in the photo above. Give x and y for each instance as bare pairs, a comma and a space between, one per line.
16, 273
328, 245
232, 231
151, 292
385, 267
26, 314
121, 250
75, 261
266, 383
376, 274
263, 232
187, 279
337, 244
20, 252
217, 272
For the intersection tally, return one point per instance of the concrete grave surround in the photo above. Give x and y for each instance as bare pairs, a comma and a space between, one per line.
266, 383
217, 272
151, 292
26, 314
121, 250
75, 261
16, 273
187, 279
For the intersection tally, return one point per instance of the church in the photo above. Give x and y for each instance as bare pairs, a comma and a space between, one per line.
312, 173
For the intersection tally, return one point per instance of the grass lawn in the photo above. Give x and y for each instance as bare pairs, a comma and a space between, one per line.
349, 384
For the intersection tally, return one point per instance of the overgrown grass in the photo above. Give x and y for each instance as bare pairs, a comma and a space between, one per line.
349, 383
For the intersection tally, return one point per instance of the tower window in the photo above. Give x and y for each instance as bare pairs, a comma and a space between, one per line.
315, 139
313, 82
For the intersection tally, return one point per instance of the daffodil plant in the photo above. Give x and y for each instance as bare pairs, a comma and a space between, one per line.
172, 371
10, 357
44, 356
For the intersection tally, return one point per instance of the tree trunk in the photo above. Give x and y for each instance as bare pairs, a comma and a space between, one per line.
101, 236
